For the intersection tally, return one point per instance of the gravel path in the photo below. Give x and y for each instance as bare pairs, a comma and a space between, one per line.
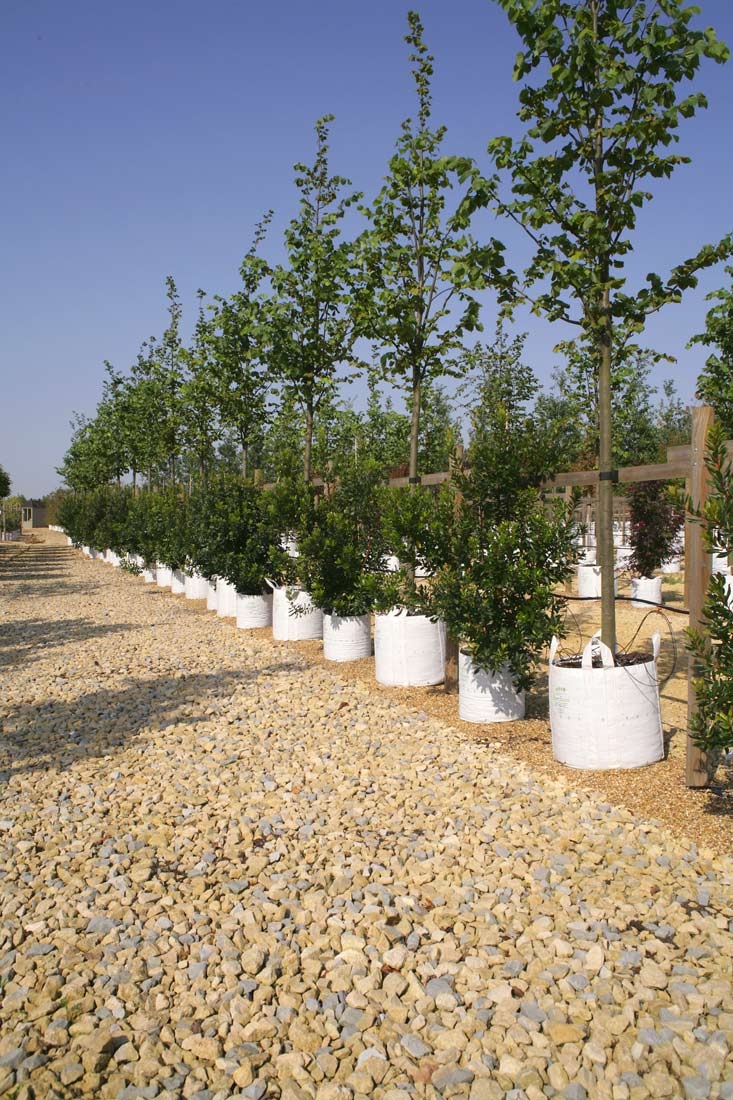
229, 872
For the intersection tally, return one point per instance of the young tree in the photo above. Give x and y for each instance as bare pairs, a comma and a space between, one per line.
413, 304
514, 447
199, 427
239, 338
715, 384
600, 118
312, 333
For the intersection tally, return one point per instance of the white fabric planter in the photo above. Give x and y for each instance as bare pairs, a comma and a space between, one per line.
178, 582
254, 611
163, 576
485, 696
719, 563
149, 574
589, 581
672, 565
409, 650
623, 556
212, 596
607, 717
196, 587
226, 600
646, 591
347, 637
306, 625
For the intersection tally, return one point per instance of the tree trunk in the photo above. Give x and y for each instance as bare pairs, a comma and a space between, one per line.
308, 443
415, 424
604, 519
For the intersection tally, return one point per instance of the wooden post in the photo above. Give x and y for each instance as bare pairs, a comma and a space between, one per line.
450, 681
697, 566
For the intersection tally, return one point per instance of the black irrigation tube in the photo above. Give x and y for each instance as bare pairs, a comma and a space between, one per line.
627, 599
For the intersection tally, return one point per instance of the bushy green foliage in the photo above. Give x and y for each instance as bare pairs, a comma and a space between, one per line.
712, 646
413, 522
98, 517
232, 533
497, 592
657, 515
715, 384
341, 555
504, 550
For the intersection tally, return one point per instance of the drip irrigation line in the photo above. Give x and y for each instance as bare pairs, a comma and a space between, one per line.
627, 599
655, 610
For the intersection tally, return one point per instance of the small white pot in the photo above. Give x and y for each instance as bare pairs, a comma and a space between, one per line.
196, 587
254, 611
291, 628
178, 582
226, 600
409, 650
485, 696
163, 576
646, 591
347, 637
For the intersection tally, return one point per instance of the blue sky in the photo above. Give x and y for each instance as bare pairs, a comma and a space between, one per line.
146, 138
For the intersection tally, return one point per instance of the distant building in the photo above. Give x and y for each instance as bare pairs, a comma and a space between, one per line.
34, 515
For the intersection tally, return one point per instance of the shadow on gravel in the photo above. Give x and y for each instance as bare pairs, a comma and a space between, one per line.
24, 639
56, 734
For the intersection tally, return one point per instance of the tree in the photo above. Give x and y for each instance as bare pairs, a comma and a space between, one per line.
240, 337
4, 483
715, 384
514, 447
413, 303
312, 332
600, 122
199, 426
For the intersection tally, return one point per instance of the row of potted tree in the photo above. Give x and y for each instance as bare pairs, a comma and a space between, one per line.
480, 558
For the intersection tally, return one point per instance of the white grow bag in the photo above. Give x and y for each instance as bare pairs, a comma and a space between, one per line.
646, 591
163, 576
254, 611
347, 637
485, 696
112, 558
589, 581
305, 626
607, 717
212, 597
196, 587
226, 599
672, 565
178, 582
409, 650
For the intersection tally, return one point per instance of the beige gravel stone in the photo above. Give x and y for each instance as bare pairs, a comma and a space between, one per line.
224, 856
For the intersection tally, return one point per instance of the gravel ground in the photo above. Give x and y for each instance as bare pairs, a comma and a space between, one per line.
230, 871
